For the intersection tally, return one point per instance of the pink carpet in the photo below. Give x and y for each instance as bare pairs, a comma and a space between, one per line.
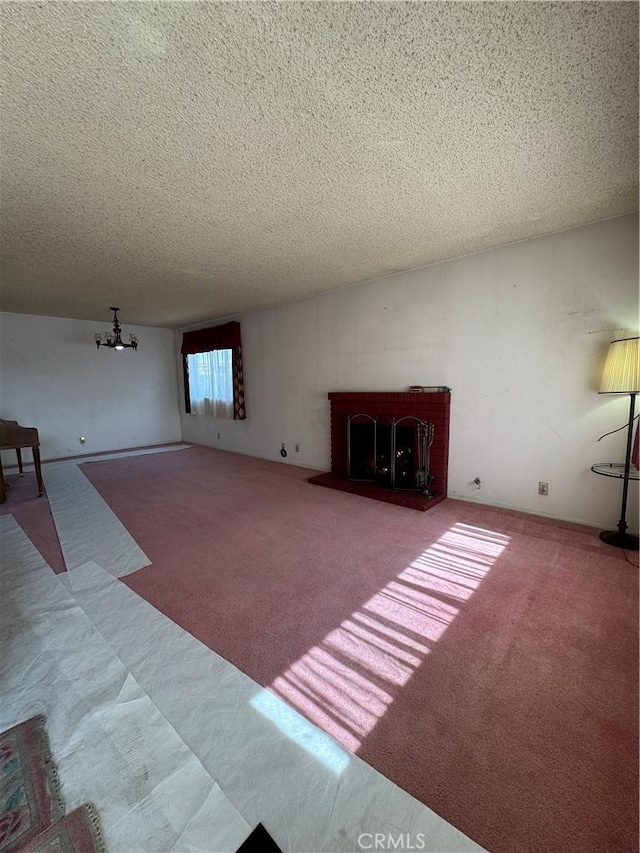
34, 516
484, 660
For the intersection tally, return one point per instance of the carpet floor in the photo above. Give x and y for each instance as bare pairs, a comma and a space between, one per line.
34, 516
484, 660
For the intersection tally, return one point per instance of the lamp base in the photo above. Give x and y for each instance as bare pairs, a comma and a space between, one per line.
620, 540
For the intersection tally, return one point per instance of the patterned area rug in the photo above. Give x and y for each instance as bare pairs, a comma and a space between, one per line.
31, 809
78, 832
29, 791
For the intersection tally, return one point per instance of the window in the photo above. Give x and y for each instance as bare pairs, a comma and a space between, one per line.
212, 371
211, 383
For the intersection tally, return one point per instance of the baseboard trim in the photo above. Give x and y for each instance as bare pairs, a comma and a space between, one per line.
106, 453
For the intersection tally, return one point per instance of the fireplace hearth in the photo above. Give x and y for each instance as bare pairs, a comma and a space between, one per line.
391, 446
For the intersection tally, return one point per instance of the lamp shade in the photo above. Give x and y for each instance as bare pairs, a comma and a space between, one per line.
621, 374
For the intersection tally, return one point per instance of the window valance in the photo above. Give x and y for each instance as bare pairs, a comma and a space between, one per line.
226, 336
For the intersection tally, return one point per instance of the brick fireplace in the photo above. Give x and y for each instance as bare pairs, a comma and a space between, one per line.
387, 408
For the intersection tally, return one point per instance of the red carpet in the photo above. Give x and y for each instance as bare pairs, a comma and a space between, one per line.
485, 660
34, 516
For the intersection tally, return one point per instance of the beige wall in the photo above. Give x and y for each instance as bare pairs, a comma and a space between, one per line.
520, 335
53, 377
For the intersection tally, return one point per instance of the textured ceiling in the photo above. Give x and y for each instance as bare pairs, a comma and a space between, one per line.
189, 160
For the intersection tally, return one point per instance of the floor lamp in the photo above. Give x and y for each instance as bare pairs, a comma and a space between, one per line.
621, 375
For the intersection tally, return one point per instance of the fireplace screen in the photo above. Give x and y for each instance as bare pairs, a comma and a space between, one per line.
393, 453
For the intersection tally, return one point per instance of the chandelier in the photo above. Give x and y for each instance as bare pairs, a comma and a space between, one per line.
113, 339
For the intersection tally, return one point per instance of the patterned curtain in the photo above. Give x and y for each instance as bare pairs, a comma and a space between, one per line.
239, 410
214, 338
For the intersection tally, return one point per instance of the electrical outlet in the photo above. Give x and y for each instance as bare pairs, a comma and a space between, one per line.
82, 439
297, 448
543, 488
218, 435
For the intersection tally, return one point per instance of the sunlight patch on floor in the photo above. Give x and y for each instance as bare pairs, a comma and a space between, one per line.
346, 683
301, 731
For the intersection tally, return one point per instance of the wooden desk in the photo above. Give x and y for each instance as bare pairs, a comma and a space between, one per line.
15, 437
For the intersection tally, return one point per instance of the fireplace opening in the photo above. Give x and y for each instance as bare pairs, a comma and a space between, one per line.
395, 454
362, 448
383, 468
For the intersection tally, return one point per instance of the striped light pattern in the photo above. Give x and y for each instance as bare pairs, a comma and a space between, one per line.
621, 373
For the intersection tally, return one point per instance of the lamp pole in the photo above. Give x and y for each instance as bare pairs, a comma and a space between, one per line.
622, 375
620, 538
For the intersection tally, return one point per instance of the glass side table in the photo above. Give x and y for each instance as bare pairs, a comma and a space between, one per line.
619, 538
615, 469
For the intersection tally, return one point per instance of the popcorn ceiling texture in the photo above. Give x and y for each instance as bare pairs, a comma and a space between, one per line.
190, 160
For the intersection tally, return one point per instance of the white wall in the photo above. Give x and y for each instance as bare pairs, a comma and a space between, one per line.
53, 377
519, 333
